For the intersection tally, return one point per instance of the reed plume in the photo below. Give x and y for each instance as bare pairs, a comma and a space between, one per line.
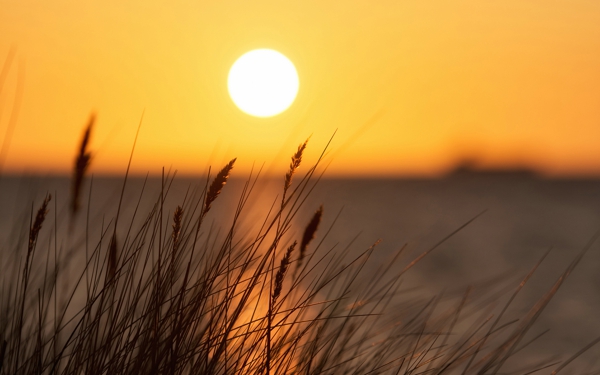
283, 267
37, 223
217, 185
309, 234
82, 163
294, 164
34, 231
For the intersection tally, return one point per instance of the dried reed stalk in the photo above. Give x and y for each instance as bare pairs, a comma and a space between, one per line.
2, 352
34, 231
37, 224
82, 163
309, 234
217, 185
177, 218
283, 267
112, 258
294, 164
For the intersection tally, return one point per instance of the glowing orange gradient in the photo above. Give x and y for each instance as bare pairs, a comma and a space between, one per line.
411, 86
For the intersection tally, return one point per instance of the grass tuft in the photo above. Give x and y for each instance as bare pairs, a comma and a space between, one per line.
178, 297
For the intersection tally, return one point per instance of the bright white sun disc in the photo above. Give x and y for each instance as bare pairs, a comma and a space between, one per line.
263, 83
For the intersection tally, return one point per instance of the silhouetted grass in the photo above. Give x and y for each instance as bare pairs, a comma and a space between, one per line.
169, 298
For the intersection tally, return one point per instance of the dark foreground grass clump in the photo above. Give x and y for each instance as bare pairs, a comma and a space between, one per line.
167, 295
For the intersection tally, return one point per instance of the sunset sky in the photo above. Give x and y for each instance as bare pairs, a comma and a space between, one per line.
412, 86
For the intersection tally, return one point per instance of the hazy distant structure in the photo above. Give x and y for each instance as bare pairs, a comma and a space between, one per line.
470, 169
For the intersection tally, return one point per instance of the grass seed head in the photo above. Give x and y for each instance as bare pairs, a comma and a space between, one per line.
285, 262
82, 163
37, 223
217, 185
309, 233
294, 164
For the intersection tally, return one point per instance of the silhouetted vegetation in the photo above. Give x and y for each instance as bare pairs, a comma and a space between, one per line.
170, 296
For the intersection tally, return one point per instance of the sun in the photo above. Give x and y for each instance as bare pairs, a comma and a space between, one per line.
263, 83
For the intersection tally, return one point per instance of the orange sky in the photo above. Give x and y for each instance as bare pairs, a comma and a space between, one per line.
413, 86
